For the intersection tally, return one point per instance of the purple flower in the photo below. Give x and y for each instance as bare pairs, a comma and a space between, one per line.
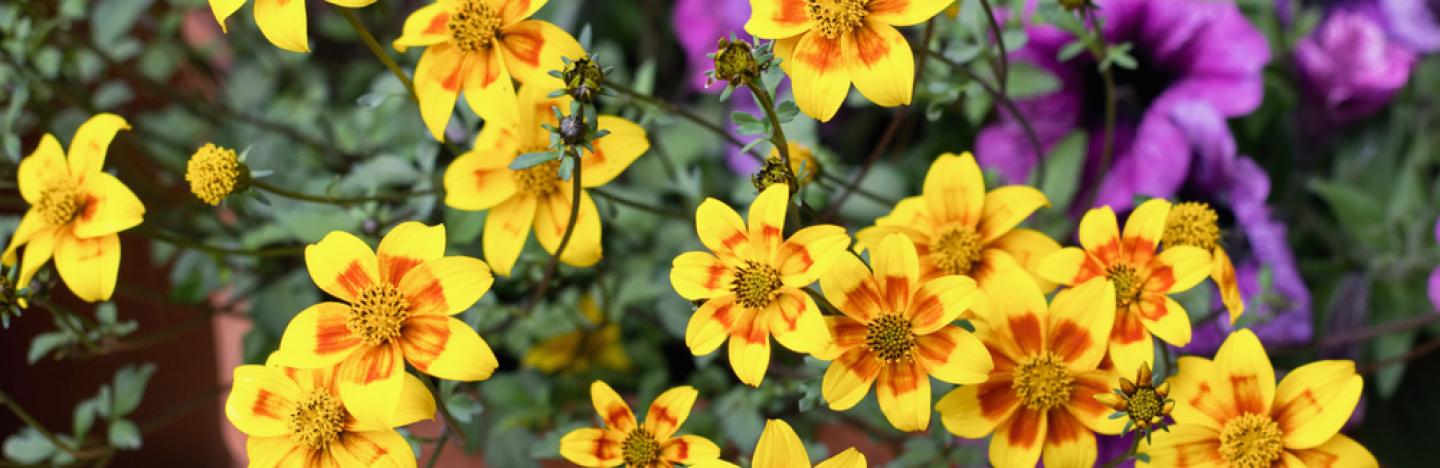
1434, 289
1187, 50
1237, 188
1415, 23
699, 24
1349, 66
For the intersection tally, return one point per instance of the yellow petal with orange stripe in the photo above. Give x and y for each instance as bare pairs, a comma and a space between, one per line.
317, 337
688, 450
1244, 380
1099, 234
1183, 445
593, 447
700, 275
750, 348
906, 12
613, 410
810, 252
1080, 323
426, 26
903, 390
1222, 272
446, 286
261, 399
974, 411
711, 324
532, 48
488, 88
777, 19
720, 228
1067, 442
954, 191
1146, 224
940, 301
1019, 441
766, 219
849, 286
370, 381
375, 448
439, 76
1313, 401
848, 378
342, 265
110, 207
406, 246
879, 61
953, 355
897, 272
89, 267
796, 323
1340, 451
669, 411
447, 348
818, 75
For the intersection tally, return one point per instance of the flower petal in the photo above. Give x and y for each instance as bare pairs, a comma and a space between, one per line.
613, 152
711, 324
850, 458
89, 267
1099, 234
110, 207
1194, 394
700, 275
940, 301
750, 348
1089, 411
552, 219
777, 19
669, 411
1166, 319
407, 246
779, 447
416, 403
1019, 441
953, 355
1183, 445
766, 219
1146, 224
689, 449
506, 228
92, 140
1069, 266
593, 447
1244, 379
385, 448
849, 286
796, 323
438, 78
37, 251
318, 337
489, 90
954, 191
370, 383
1006, 207
426, 26
31, 223
1222, 272
897, 272
1017, 318
222, 9
818, 75
848, 378
260, 400
513, 11
281, 451
974, 411
1067, 442
1130, 342
810, 252
283, 23
903, 391
42, 168
720, 228
1080, 323
847, 334
446, 348
879, 60
1188, 266
446, 285
1337, 452
1313, 401
612, 409
342, 265
532, 48
1028, 247
905, 12
477, 181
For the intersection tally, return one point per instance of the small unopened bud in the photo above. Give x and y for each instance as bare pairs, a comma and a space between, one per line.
573, 130
583, 79
735, 62
773, 173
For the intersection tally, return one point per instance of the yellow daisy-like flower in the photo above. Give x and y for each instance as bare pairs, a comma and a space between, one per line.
76, 211
648, 445
781, 447
478, 46
481, 179
897, 331
296, 418
955, 222
1195, 224
1039, 399
751, 282
281, 21
1230, 412
397, 308
824, 45
1142, 278
577, 351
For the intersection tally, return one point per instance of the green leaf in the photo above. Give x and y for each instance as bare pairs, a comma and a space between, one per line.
106, 313
528, 160
786, 111
1062, 170
84, 417
1071, 50
462, 407
28, 447
124, 435
1355, 209
130, 382
1028, 80
749, 124
44, 343
110, 20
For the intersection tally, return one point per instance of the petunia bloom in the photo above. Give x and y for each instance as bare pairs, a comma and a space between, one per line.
751, 282
955, 222
1230, 412
282, 22
397, 308
1141, 278
781, 447
1350, 68
826, 46
598, 345
623, 441
518, 200
896, 332
76, 211
1039, 399
1416, 23
478, 46
296, 418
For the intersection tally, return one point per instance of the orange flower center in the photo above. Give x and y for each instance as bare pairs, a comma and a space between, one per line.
473, 26
957, 250
756, 284
60, 202
1127, 284
318, 420
1251, 440
1043, 382
378, 314
1193, 224
539, 180
640, 448
890, 337
835, 18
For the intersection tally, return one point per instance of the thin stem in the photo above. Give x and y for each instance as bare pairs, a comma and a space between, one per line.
1107, 151
45, 432
777, 134
62, 316
835, 182
439, 446
1376, 331
619, 200
1004, 72
450, 420
379, 51
1008, 105
554, 263
1415, 353
183, 242
342, 201
684, 113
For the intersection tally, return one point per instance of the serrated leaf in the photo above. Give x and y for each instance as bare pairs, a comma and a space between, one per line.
124, 435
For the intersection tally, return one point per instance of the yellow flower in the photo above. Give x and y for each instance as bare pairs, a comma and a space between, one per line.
752, 282
1146, 404
213, 173
76, 211
479, 46
897, 331
1141, 277
780, 447
397, 308
1194, 224
1230, 412
623, 441
1040, 396
281, 21
824, 45
578, 350
481, 179
955, 223
295, 417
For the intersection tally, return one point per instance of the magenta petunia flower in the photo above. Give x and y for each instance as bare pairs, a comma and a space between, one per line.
1187, 50
698, 25
1349, 67
1416, 23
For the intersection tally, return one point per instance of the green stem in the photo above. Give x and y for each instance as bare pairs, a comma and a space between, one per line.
450, 421
1008, 105
777, 134
379, 51
182, 242
63, 315
1004, 72
685, 114
439, 446
659, 211
342, 201
1107, 151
